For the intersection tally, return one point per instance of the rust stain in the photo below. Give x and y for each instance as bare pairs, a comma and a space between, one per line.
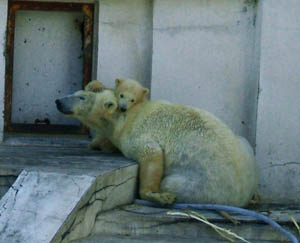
9, 65
88, 42
15, 7
44, 126
87, 9
88, 24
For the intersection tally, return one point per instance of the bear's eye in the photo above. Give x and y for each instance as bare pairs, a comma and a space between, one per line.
109, 105
82, 98
132, 100
121, 95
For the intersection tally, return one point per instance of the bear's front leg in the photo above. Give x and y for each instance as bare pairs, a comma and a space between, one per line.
104, 144
151, 162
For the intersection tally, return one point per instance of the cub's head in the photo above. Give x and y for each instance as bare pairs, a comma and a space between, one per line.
129, 93
89, 105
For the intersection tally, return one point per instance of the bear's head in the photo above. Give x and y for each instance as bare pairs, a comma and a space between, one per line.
129, 92
90, 105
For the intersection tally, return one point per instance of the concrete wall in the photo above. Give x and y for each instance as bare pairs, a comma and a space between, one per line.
278, 126
203, 55
125, 40
3, 21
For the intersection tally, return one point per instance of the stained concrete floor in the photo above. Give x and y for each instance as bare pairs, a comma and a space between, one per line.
53, 154
77, 159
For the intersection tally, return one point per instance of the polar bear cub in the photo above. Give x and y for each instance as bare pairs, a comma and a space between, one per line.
129, 93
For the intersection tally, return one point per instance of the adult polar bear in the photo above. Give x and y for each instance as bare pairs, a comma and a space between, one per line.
182, 152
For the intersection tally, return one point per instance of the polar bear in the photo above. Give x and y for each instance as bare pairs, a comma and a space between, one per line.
92, 106
184, 154
100, 142
129, 93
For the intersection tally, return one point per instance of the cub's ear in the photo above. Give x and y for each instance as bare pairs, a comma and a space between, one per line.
94, 86
118, 81
110, 106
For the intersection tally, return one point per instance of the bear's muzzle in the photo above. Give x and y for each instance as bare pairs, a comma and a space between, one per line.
62, 108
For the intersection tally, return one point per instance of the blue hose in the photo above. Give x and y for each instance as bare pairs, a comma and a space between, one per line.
225, 208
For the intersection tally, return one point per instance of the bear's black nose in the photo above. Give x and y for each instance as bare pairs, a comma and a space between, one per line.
123, 109
57, 102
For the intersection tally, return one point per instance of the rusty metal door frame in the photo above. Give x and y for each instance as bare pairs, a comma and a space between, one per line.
88, 11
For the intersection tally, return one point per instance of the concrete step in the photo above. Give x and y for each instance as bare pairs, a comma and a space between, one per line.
138, 239
102, 238
60, 191
45, 140
139, 221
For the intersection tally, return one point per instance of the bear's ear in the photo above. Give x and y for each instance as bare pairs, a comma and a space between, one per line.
94, 86
145, 91
110, 106
118, 81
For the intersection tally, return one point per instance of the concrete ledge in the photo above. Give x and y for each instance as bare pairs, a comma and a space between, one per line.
60, 191
138, 221
108, 191
142, 238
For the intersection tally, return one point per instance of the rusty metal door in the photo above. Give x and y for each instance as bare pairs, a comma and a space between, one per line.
49, 49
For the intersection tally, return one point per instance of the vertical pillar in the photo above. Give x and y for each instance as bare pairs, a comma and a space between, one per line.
125, 40
203, 55
278, 116
3, 23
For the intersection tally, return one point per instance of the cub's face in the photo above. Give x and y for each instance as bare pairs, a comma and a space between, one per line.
125, 100
129, 93
88, 106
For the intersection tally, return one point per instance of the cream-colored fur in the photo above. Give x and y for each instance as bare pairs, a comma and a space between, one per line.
129, 93
92, 107
184, 153
100, 142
